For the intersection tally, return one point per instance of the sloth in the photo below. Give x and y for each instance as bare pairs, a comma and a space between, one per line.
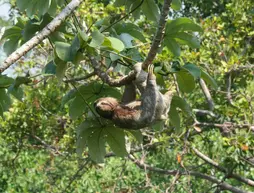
136, 114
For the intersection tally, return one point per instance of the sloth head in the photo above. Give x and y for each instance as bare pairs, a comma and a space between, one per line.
105, 107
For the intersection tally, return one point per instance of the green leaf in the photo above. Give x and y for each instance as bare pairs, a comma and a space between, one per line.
176, 5
12, 32
131, 29
30, 29
186, 39
77, 107
208, 79
115, 138
16, 91
83, 35
96, 145
180, 25
50, 68
185, 81
32, 7
5, 101
172, 45
5, 81
175, 119
97, 39
22, 4
75, 45
22, 80
158, 126
62, 51
181, 103
61, 67
113, 43
11, 45
137, 134
193, 70
151, 10
84, 132
69, 96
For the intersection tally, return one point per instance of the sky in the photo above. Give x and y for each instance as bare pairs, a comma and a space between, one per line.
4, 9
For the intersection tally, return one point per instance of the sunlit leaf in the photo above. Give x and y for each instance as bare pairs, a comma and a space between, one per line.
97, 39
176, 5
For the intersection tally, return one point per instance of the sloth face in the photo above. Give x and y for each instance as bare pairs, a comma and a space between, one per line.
105, 107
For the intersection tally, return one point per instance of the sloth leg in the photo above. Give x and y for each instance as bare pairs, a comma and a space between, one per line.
129, 94
149, 99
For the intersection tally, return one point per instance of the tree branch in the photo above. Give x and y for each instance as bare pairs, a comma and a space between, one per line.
46, 31
212, 179
207, 94
159, 34
226, 127
107, 79
216, 165
80, 78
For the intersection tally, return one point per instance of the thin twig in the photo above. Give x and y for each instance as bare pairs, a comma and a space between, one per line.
80, 78
212, 179
216, 165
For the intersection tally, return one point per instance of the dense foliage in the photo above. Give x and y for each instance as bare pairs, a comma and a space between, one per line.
51, 139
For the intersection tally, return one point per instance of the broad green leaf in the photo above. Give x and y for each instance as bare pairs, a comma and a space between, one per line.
30, 29
193, 70
90, 133
34, 7
158, 126
11, 45
180, 25
208, 79
42, 6
75, 45
151, 10
115, 138
5, 101
22, 4
186, 39
113, 43
96, 145
137, 134
181, 103
127, 40
50, 68
12, 32
69, 96
114, 57
62, 51
97, 39
16, 91
131, 29
185, 81
77, 107
172, 45
5, 81
22, 80
176, 5
61, 67
83, 35
175, 119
